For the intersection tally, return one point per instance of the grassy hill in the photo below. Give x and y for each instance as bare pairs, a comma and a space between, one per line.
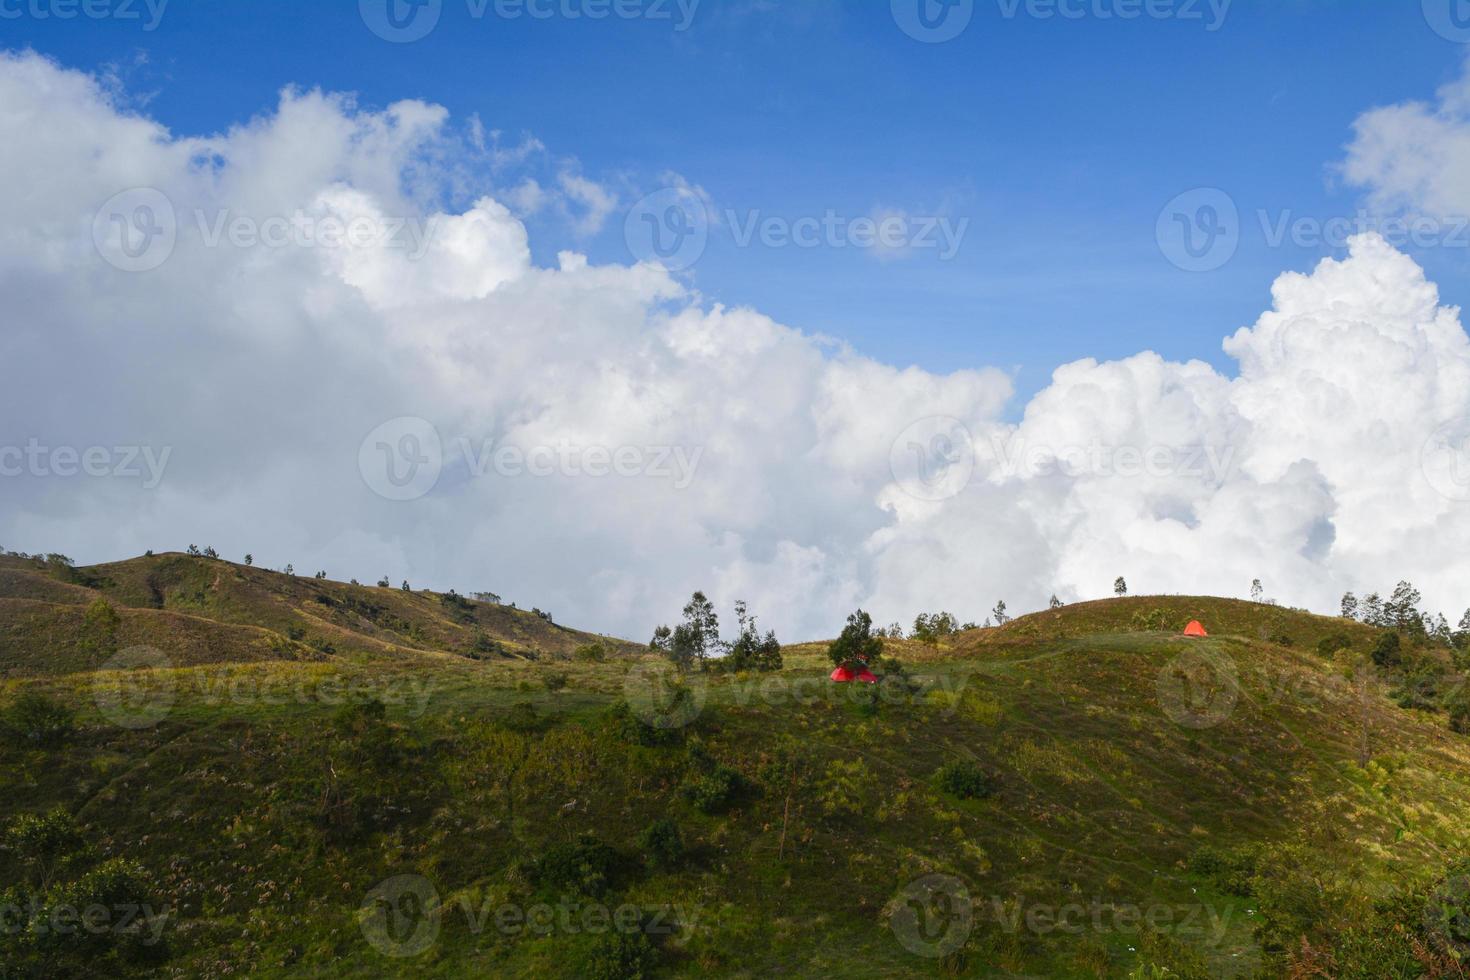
1081, 792
199, 610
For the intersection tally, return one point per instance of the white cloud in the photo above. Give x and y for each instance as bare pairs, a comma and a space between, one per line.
265, 367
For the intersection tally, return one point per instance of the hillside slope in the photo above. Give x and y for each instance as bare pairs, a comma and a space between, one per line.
207, 610
1072, 794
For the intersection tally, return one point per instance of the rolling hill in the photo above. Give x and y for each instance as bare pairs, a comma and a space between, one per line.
1080, 792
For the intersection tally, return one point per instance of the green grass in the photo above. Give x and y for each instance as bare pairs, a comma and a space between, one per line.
264, 823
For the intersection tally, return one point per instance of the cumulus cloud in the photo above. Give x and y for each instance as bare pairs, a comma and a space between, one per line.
604, 440
1416, 155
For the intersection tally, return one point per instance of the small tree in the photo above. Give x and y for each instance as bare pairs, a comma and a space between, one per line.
751, 651
1120, 586
692, 640
856, 647
1258, 592
209, 552
405, 587
290, 569
249, 559
321, 576
383, 583
193, 550
999, 613
1349, 606
1055, 603
1387, 651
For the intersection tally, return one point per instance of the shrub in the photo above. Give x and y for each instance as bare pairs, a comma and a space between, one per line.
585, 866
662, 843
42, 841
715, 790
554, 681
963, 779
521, 717
39, 720
1329, 645
1230, 869
846, 788
1387, 652
1153, 621
591, 653
1282, 639
622, 956
621, 723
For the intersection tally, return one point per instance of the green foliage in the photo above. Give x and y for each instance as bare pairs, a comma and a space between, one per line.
36, 719
42, 842
623, 724
846, 789
590, 653
751, 651
715, 790
930, 628
662, 844
1231, 869
1330, 645
1387, 652
554, 680
963, 779
99, 629
1153, 621
363, 736
856, 646
585, 866
621, 956
521, 717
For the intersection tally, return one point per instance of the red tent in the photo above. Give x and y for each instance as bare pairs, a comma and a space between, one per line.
842, 675
1195, 629
866, 676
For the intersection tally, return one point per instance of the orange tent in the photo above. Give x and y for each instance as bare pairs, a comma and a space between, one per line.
1195, 629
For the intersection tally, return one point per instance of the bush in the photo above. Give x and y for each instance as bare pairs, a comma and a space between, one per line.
662, 844
621, 723
1387, 651
521, 717
1231, 869
715, 790
622, 956
1280, 638
38, 720
964, 779
1330, 645
555, 681
592, 653
587, 866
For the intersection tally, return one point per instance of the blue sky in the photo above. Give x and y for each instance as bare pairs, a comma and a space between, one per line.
1059, 140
